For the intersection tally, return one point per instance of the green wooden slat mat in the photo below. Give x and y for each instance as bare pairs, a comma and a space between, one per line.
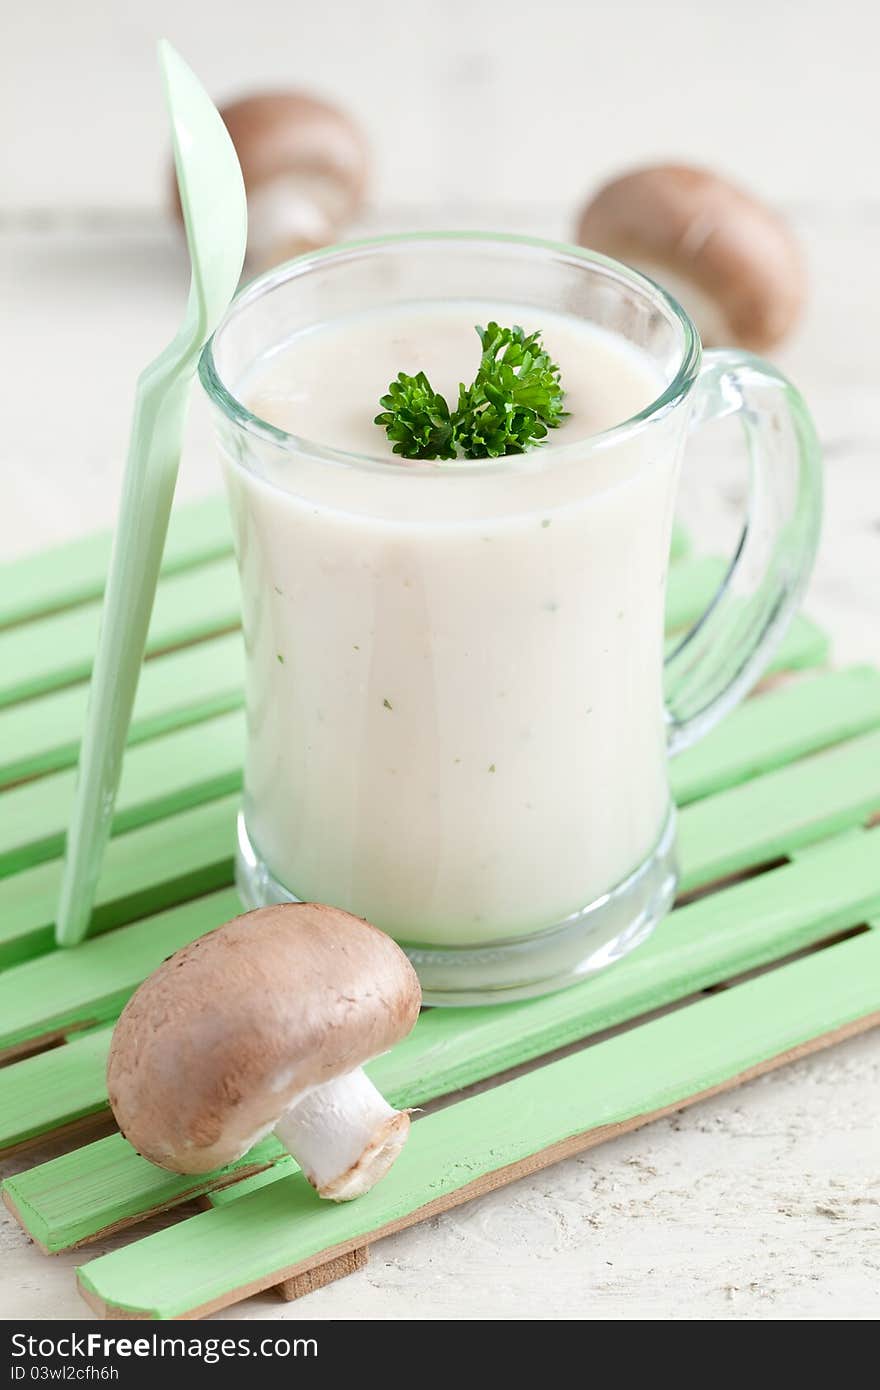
797, 767
77, 1196
202, 1264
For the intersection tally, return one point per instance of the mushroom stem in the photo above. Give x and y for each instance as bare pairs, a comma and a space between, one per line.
344, 1135
290, 214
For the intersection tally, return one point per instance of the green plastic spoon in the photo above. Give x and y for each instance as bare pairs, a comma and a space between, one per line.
215, 215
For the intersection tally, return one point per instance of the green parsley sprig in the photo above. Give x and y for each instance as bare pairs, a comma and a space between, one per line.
416, 419
514, 399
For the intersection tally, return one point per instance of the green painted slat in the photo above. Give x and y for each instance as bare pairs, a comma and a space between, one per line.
54, 1089
75, 572
700, 945
203, 1262
805, 645
43, 1205
183, 687
281, 1167
165, 775
680, 546
71, 989
774, 814
691, 586
774, 729
144, 871
58, 650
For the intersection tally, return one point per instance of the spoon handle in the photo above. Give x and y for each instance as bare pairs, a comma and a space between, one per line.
147, 491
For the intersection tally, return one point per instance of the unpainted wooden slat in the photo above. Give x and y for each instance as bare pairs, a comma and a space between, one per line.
318, 1278
182, 687
214, 1259
700, 945
57, 650
159, 778
75, 572
144, 871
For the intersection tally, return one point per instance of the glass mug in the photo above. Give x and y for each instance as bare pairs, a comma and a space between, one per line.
459, 700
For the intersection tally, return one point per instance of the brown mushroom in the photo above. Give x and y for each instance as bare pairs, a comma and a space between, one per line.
732, 261
262, 1025
305, 168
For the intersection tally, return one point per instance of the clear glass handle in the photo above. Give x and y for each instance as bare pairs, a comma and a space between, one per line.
721, 657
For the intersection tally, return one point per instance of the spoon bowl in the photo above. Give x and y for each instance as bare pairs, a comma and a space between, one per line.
212, 195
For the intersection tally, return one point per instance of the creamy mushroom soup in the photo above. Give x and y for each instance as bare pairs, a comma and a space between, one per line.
455, 722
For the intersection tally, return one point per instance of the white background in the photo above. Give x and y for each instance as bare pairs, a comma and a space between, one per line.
465, 100
762, 1204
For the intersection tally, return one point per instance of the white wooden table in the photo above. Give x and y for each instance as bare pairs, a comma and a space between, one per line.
763, 1203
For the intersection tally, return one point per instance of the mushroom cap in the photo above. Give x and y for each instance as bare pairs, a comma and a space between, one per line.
735, 250
277, 132
231, 1030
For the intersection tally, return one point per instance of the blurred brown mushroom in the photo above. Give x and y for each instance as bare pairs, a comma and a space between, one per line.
305, 165
732, 261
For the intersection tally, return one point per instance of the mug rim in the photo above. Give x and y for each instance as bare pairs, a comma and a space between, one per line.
545, 454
